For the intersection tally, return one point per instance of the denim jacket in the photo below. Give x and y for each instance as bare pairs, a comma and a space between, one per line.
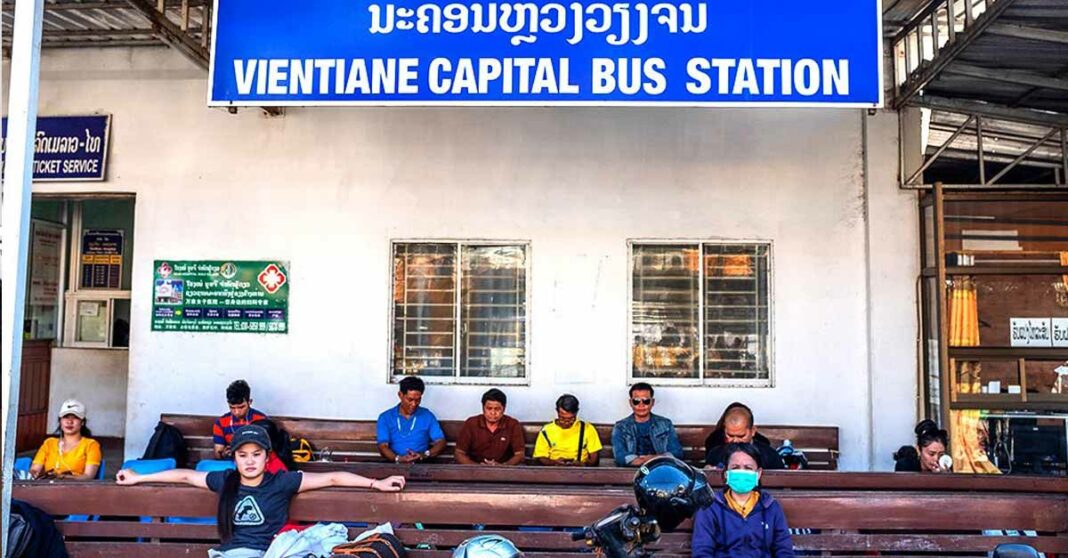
625, 439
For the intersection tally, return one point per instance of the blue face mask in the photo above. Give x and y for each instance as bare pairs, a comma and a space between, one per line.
741, 481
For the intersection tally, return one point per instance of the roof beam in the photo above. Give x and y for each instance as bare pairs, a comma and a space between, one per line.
96, 5
172, 34
1018, 77
1021, 115
1029, 33
947, 55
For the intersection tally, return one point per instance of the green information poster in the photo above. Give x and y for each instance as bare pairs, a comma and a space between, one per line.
230, 296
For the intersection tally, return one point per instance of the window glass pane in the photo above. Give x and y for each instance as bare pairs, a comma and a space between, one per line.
736, 311
120, 322
493, 307
92, 321
424, 319
664, 311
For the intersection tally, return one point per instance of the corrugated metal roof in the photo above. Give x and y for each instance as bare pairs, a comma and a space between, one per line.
101, 23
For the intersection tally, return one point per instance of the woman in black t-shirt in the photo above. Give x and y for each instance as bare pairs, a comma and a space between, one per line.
254, 504
929, 453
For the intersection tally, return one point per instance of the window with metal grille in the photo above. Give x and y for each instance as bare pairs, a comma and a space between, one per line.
459, 311
700, 313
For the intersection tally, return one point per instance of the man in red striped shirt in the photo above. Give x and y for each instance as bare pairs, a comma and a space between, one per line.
239, 397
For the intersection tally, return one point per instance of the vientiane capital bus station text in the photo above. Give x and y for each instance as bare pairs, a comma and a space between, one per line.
538, 76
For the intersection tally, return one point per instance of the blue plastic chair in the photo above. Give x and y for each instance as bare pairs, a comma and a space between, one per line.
148, 466
206, 466
99, 476
23, 463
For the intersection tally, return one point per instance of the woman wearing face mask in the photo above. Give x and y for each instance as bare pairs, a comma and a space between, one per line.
742, 522
72, 453
254, 504
929, 454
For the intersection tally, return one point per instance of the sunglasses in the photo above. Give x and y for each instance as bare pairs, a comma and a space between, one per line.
636, 401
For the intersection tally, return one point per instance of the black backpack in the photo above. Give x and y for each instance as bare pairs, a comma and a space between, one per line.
167, 441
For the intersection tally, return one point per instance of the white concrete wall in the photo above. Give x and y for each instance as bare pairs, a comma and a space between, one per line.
327, 189
96, 377
893, 240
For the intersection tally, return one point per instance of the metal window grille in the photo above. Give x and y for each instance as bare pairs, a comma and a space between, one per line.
478, 330
700, 312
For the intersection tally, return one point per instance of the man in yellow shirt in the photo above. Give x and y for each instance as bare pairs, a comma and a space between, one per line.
568, 441
72, 453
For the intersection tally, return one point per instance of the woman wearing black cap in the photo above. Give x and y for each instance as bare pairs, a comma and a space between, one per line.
254, 504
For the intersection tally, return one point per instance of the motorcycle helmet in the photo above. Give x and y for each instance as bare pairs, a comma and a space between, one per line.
671, 491
487, 546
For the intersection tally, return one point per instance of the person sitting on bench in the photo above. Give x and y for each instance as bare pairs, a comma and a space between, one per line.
239, 398
928, 455
568, 441
254, 504
492, 438
643, 435
408, 433
737, 426
741, 521
71, 452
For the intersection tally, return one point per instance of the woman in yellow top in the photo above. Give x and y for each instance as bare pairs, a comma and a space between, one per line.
71, 453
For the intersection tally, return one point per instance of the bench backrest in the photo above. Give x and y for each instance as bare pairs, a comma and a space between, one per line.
355, 440
930, 522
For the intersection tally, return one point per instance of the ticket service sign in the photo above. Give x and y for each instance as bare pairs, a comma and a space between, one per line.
571, 53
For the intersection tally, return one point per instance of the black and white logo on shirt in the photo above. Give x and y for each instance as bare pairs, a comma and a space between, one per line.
247, 512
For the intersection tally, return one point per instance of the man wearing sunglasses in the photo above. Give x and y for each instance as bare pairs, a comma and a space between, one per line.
643, 435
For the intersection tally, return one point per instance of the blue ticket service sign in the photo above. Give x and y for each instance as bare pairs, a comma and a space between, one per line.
69, 147
475, 52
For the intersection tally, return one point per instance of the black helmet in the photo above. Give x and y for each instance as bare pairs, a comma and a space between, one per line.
670, 490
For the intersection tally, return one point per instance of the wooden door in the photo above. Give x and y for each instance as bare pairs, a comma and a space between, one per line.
33, 394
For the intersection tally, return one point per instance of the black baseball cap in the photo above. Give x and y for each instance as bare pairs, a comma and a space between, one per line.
251, 434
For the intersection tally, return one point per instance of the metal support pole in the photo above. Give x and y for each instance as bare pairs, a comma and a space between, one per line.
951, 18
1064, 154
930, 160
979, 151
17, 189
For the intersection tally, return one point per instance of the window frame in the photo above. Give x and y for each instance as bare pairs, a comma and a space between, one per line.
75, 293
456, 378
701, 380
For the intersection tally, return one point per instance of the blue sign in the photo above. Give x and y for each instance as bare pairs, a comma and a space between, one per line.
474, 52
68, 147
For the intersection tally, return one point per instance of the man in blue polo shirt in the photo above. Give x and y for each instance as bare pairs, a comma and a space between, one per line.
408, 433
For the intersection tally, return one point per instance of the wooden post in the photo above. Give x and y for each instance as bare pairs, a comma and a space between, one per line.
943, 309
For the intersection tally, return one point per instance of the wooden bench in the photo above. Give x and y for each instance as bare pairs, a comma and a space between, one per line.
355, 440
850, 514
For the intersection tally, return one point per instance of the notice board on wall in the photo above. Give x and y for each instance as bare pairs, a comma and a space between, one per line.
102, 259
221, 296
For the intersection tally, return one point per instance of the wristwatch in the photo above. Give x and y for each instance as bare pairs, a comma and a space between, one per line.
426, 454
396, 458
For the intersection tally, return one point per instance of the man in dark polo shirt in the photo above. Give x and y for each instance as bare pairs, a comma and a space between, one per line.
492, 438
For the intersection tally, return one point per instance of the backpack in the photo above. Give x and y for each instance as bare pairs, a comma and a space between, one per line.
167, 441
381, 545
19, 535
300, 449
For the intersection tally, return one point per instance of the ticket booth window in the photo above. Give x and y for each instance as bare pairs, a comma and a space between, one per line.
80, 251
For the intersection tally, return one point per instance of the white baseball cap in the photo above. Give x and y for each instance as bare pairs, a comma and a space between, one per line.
72, 407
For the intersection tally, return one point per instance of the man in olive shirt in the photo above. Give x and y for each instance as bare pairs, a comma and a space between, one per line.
492, 438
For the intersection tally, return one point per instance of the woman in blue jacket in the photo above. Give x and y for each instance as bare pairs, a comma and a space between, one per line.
742, 522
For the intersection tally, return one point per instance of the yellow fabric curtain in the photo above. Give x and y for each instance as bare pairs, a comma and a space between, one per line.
968, 427
1064, 263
